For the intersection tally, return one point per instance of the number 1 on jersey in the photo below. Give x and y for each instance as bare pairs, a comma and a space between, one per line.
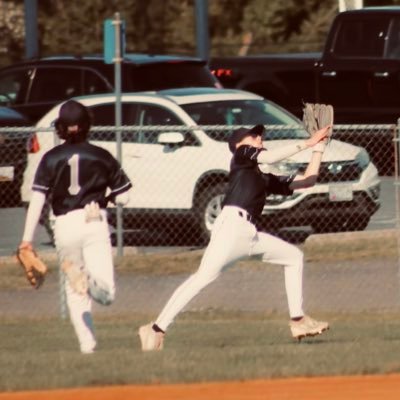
73, 163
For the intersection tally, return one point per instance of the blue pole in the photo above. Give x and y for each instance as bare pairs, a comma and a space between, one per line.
31, 31
118, 119
202, 35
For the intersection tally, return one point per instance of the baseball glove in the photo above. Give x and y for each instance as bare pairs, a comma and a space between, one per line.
316, 116
35, 269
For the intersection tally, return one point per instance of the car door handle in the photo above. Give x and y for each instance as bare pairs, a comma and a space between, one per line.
381, 74
330, 74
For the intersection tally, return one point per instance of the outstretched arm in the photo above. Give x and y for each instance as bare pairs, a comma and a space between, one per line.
311, 173
273, 156
32, 218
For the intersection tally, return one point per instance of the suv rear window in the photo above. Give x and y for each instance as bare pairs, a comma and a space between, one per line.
169, 75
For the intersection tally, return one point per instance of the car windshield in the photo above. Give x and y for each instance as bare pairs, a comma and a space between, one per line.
244, 112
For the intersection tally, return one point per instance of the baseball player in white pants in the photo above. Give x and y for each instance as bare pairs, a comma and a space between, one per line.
85, 244
235, 236
78, 175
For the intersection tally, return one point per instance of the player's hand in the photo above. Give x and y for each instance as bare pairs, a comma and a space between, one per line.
25, 245
318, 136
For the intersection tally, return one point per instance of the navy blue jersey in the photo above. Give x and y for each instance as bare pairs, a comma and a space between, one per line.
248, 187
77, 174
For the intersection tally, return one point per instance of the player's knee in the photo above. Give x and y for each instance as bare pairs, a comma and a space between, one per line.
298, 255
101, 292
292, 256
102, 297
295, 256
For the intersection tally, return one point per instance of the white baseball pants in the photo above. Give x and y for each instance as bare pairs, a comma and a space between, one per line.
233, 238
87, 245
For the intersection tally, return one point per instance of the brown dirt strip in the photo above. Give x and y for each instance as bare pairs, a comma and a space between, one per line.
366, 387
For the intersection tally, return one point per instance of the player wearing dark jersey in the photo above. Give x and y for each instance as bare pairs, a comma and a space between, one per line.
81, 178
235, 236
77, 174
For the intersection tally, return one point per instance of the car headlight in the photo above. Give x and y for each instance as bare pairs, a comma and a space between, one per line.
362, 159
289, 168
276, 199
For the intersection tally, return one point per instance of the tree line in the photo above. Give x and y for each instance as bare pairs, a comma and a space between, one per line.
168, 26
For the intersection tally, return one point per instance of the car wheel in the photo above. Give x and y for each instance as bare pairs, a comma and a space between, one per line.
207, 208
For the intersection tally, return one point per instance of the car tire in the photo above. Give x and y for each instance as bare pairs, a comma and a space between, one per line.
208, 206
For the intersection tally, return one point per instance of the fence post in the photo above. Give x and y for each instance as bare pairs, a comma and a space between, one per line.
117, 22
62, 294
396, 141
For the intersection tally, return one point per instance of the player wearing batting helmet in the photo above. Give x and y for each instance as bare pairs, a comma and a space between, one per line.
235, 236
78, 175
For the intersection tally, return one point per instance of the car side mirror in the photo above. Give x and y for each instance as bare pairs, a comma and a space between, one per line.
170, 138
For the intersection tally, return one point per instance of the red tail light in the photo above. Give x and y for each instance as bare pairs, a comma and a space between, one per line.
222, 72
34, 145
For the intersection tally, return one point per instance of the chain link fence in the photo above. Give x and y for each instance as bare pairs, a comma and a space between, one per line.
179, 175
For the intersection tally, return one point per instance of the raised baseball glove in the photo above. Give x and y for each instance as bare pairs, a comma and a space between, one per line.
35, 269
317, 116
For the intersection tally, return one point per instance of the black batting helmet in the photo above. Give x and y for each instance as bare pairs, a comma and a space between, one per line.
73, 113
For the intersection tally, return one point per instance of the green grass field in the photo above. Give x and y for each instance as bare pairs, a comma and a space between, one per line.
208, 346
201, 346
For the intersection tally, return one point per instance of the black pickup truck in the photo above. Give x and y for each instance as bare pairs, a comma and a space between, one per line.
358, 71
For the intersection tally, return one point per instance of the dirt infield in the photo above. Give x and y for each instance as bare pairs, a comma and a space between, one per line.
367, 387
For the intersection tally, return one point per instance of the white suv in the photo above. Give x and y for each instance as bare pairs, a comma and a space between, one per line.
175, 152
